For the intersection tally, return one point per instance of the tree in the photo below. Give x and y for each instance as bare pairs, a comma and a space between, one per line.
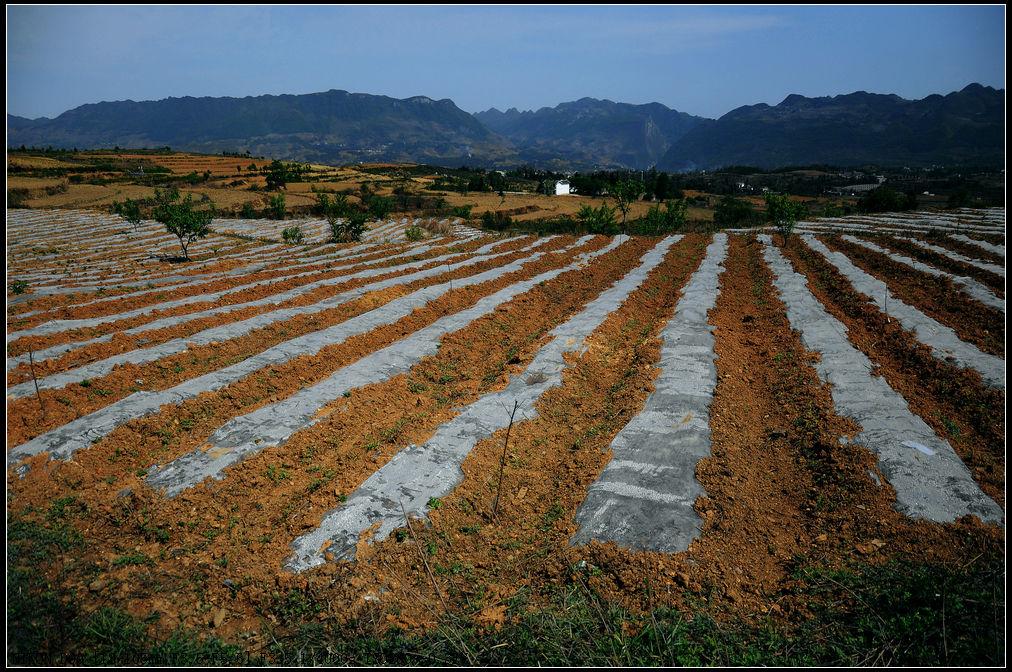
380, 207
180, 218
277, 206
346, 230
783, 213
130, 211
731, 211
597, 220
671, 218
277, 175
624, 193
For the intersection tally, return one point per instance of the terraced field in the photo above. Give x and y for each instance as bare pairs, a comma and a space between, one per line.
409, 428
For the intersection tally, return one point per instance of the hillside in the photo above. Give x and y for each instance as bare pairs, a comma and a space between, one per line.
333, 126
964, 127
590, 133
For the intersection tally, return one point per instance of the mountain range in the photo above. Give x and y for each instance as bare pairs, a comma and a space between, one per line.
962, 128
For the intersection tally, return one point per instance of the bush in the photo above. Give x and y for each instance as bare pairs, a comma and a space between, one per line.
19, 287
886, 199
496, 221
380, 207
292, 235
658, 221
599, 220
462, 211
17, 198
783, 213
414, 233
248, 211
347, 230
276, 206
735, 212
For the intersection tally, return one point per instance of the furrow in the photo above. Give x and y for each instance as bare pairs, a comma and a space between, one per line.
941, 339
644, 497
274, 424
930, 480
418, 473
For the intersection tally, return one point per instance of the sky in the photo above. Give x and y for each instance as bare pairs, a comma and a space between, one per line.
696, 59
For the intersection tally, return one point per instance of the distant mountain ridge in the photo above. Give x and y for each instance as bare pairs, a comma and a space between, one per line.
335, 126
962, 128
592, 133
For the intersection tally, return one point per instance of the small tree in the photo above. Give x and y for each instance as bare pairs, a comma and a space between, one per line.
130, 211
277, 206
380, 207
671, 218
624, 193
248, 211
346, 230
180, 218
277, 175
783, 213
598, 220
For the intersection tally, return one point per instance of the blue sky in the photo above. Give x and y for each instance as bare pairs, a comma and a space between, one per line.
701, 60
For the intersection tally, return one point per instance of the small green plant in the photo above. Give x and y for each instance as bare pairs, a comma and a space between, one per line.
414, 233
783, 213
292, 235
434, 503
19, 286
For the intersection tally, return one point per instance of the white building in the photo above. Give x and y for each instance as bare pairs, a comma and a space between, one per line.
562, 188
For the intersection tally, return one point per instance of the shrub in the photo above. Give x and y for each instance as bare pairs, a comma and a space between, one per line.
17, 198
462, 211
783, 213
599, 220
496, 221
248, 211
276, 206
414, 233
19, 286
658, 221
380, 206
735, 212
346, 230
886, 199
292, 235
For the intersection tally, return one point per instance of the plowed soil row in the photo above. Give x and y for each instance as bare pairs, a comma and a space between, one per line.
935, 296
59, 307
995, 282
966, 249
122, 342
268, 499
112, 308
24, 421
140, 274
954, 401
994, 238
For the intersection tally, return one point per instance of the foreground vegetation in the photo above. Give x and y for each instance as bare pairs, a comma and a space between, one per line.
900, 613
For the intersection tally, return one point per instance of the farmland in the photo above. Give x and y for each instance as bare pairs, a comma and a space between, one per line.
396, 433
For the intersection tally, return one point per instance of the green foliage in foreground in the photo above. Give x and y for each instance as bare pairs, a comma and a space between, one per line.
902, 613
